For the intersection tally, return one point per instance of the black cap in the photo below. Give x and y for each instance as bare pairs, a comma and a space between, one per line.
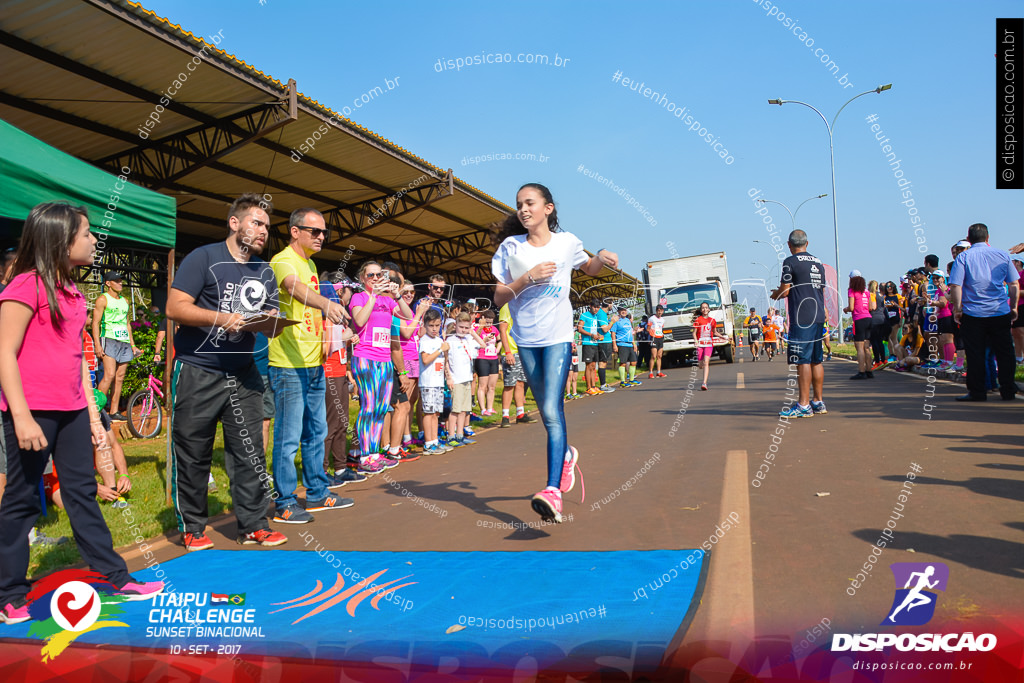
112, 275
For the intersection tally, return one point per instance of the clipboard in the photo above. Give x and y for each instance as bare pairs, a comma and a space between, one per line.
267, 324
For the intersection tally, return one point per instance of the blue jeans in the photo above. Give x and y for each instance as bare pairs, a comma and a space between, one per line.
547, 369
300, 420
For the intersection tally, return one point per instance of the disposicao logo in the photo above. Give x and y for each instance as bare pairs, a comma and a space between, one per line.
914, 605
69, 603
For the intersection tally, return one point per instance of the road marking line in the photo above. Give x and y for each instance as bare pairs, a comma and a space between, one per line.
730, 588
739, 381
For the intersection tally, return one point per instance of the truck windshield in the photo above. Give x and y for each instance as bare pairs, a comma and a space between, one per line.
690, 297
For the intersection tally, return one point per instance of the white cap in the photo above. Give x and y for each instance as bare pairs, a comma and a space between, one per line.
855, 273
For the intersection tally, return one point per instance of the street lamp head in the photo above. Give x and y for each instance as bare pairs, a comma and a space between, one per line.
882, 88
778, 102
820, 196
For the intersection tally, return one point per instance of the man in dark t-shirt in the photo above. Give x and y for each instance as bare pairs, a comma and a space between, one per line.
803, 285
217, 288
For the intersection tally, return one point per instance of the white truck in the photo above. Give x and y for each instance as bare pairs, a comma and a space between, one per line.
681, 285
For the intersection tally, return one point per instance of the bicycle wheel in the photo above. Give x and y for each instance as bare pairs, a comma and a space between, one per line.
145, 414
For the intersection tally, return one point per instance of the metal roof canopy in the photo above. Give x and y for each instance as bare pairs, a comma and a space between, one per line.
226, 129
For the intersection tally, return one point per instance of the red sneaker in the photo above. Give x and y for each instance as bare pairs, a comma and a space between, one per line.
262, 537
198, 541
650, 376
662, 374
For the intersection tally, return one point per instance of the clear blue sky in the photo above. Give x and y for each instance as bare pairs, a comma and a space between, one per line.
721, 60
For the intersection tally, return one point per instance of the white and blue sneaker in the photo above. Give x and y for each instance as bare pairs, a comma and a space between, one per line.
468, 432
796, 410
818, 408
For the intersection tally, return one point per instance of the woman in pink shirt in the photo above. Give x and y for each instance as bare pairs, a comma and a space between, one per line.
48, 405
944, 320
860, 305
372, 369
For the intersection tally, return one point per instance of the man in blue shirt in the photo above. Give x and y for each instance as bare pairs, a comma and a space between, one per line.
983, 294
589, 326
606, 318
624, 343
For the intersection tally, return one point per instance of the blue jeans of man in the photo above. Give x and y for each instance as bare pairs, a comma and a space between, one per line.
546, 369
300, 421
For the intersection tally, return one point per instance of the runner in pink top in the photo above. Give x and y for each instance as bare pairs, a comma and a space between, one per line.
47, 411
944, 321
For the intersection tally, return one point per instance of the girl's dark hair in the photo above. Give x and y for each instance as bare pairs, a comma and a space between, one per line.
488, 313
696, 314
45, 240
513, 226
858, 284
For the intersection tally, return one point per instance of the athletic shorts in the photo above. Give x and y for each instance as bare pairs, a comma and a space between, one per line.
627, 354
753, 338
861, 329
772, 342
804, 345
118, 350
511, 374
590, 353
604, 352
705, 352
397, 395
1019, 322
657, 342
945, 325
485, 367
269, 410
462, 397
432, 399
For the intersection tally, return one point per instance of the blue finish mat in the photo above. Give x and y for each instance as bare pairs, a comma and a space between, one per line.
483, 609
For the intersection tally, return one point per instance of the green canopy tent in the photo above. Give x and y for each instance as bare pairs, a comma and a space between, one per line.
32, 172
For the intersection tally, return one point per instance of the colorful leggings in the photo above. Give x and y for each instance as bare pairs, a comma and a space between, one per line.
374, 379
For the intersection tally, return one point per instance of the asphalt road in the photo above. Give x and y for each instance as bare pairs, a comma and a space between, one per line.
798, 538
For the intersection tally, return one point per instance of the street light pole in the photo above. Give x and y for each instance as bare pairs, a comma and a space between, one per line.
832, 163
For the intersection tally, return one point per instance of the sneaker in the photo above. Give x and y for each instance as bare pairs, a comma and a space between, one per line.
198, 541
505, 422
453, 443
292, 514
43, 540
650, 376
346, 476
262, 537
662, 374
434, 450
473, 417
859, 375
404, 455
118, 417
466, 441
818, 408
828, 357
524, 419
466, 431
635, 382
134, 590
606, 388
330, 502
796, 410
548, 504
370, 465
570, 466
389, 462
869, 374
703, 387
15, 615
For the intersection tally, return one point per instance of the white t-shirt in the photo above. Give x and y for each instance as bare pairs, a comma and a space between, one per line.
779, 322
542, 312
431, 374
460, 357
656, 325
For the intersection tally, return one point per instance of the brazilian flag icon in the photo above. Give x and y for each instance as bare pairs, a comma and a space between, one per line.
237, 599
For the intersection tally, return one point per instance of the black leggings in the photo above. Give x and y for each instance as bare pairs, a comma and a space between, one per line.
70, 442
879, 333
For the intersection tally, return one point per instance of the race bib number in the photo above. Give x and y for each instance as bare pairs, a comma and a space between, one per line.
575, 360
121, 335
381, 338
438, 366
490, 350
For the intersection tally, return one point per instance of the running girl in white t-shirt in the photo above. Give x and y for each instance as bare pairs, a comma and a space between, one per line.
533, 265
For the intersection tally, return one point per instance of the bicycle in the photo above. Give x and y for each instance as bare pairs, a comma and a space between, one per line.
145, 411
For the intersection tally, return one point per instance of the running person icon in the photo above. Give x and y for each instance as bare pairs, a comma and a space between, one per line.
533, 265
915, 598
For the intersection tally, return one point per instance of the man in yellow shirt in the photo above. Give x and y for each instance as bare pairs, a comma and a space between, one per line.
297, 375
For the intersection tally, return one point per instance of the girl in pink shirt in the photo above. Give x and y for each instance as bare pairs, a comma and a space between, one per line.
487, 362
48, 405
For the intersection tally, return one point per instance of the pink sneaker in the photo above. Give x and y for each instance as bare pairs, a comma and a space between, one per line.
140, 591
14, 615
548, 504
570, 466
370, 465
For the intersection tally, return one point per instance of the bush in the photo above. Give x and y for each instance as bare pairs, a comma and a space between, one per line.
144, 331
